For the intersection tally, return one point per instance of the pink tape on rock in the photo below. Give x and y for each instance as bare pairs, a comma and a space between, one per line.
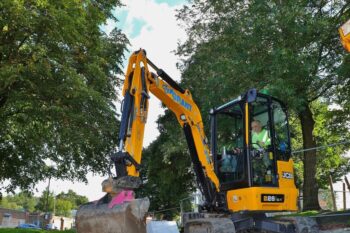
123, 196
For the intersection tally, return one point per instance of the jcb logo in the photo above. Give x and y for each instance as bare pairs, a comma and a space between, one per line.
287, 175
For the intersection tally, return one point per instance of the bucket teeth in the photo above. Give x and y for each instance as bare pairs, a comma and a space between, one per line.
116, 185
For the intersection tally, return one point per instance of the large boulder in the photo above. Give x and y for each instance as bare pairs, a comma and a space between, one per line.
128, 217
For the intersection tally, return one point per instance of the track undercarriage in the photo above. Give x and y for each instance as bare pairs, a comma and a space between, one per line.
241, 223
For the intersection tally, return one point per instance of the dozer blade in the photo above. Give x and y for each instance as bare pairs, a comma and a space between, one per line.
128, 217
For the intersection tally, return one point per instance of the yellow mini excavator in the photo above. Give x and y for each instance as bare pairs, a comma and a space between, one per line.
242, 173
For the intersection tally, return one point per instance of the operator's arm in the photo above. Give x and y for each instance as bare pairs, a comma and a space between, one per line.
139, 81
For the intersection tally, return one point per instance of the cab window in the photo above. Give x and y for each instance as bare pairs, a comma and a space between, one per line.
261, 149
229, 136
280, 124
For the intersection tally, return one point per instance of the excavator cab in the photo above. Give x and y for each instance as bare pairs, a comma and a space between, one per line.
251, 148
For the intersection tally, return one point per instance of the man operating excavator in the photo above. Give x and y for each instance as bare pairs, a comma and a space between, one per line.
233, 200
260, 136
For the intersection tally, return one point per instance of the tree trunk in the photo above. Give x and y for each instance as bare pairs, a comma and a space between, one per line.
3, 99
310, 188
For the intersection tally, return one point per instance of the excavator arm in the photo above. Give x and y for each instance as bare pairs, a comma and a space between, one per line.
139, 82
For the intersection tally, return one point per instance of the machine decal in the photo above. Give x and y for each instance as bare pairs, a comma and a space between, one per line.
272, 198
207, 156
176, 97
287, 175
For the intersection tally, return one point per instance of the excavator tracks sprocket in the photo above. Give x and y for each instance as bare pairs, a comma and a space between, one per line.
216, 223
303, 224
210, 225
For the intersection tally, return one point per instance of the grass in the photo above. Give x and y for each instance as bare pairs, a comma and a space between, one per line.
14, 230
303, 214
306, 213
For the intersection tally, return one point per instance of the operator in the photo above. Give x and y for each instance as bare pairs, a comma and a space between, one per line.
260, 136
261, 165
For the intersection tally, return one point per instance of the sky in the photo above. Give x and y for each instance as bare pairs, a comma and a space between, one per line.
151, 25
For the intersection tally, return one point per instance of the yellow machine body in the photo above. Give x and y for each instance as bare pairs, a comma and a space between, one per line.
139, 81
266, 199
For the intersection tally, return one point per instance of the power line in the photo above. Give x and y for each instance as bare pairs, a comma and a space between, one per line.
164, 210
320, 147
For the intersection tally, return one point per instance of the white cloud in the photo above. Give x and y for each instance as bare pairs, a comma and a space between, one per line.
158, 36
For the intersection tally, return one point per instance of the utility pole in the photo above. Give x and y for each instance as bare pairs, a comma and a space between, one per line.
333, 194
347, 182
47, 196
54, 204
344, 197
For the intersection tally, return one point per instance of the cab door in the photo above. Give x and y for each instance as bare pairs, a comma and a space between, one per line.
262, 150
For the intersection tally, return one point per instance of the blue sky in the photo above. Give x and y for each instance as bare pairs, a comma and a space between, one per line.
132, 25
152, 25
172, 2
149, 24
136, 23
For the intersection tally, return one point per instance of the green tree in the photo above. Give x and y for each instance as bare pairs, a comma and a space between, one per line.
61, 204
7, 203
330, 160
21, 201
63, 207
58, 79
26, 200
291, 48
46, 202
166, 174
75, 199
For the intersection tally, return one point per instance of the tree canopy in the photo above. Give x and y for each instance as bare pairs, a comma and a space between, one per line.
20, 201
58, 80
166, 169
73, 197
290, 48
61, 204
330, 160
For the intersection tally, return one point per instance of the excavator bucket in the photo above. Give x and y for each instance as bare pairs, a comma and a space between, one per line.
116, 213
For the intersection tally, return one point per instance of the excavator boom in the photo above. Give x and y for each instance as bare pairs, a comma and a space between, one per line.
139, 82
119, 202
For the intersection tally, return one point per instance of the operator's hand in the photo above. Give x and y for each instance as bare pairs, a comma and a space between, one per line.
262, 144
237, 150
233, 150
